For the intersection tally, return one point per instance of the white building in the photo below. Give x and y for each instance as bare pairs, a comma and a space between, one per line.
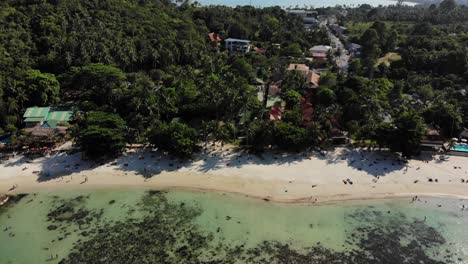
239, 45
308, 16
319, 49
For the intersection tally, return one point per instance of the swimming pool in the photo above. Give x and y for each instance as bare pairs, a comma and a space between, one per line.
461, 148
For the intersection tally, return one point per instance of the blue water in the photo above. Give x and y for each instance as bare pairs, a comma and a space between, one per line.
4, 140
461, 148
298, 3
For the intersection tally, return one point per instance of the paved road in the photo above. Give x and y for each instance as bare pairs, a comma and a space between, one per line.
341, 61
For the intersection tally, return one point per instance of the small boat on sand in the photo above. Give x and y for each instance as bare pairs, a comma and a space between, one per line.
4, 199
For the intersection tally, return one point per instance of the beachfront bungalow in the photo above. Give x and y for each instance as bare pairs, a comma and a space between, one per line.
44, 121
57, 118
432, 141
237, 45
35, 116
46, 117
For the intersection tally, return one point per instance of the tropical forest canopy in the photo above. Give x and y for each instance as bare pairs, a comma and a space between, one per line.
146, 71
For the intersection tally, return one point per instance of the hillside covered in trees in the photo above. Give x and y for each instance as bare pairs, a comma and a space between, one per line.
146, 71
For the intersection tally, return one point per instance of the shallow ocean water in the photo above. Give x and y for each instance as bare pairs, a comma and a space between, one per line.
233, 227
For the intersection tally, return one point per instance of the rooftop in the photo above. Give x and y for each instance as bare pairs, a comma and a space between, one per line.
237, 40
321, 48
36, 112
214, 37
313, 78
319, 55
298, 67
47, 114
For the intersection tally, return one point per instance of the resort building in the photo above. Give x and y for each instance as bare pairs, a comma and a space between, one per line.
432, 141
35, 116
46, 117
44, 121
309, 17
237, 45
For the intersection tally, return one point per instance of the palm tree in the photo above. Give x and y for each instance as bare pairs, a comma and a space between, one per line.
12, 106
21, 97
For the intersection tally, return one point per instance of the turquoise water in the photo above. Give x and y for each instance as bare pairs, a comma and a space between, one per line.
461, 148
133, 226
298, 3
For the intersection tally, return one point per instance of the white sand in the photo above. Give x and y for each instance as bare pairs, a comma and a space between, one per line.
306, 177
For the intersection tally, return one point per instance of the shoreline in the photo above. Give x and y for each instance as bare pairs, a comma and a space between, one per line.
326, 200
296, 196
304, 178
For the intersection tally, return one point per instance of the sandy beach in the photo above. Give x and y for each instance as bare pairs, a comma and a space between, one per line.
290, 178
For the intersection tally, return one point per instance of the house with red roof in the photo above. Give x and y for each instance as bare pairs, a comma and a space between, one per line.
214, 37
259, 50
302, 68
275, 112
313, 80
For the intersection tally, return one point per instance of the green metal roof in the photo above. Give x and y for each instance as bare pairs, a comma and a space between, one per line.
36, 112
51, 124
33, 119
59, 116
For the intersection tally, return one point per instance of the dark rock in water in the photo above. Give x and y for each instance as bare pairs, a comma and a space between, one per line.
112, 202
14, 199
168, 234
154, 192
52, 227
